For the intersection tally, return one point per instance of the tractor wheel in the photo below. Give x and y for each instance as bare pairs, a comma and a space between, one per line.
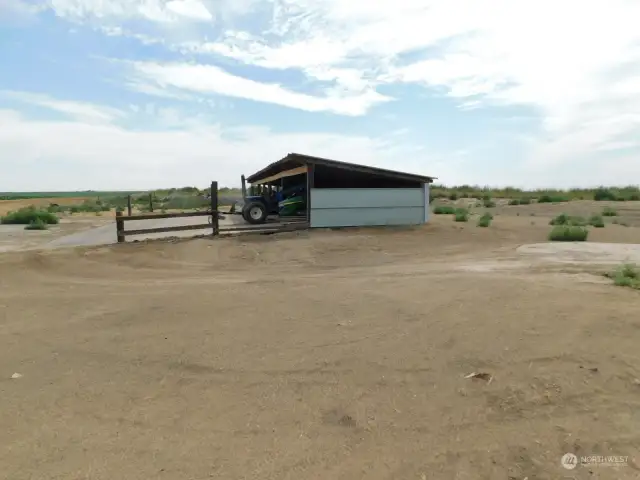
255, 213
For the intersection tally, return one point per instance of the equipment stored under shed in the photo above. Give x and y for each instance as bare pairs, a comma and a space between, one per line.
338, 194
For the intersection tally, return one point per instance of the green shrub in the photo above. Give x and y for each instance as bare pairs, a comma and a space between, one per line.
25, 216
552, 199
596, 221
603, 194
634, 197
461, 215
525, 201
485, 220
184, 202
626, 276
609, 212
568, 233
444, 210
514, 202
453, 196
564, 219
37, 224
488, 203
55, 209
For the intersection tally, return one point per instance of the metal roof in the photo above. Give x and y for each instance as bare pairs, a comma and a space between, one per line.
293, 159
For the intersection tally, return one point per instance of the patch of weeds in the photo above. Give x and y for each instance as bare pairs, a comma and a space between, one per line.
444, 210
603, 194
568, 233
609, 212
25, 216
596, 221
520, 201
564, 219
485, 220
552, 199
461, 215
453, 197
627, 275
37, 224
634, 197
488, 203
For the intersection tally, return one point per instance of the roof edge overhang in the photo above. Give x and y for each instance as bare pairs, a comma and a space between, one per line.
268, 173
287, 173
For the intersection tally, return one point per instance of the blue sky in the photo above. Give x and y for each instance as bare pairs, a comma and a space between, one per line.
136, 94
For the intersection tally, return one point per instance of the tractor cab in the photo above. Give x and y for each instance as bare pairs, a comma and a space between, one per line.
280, 200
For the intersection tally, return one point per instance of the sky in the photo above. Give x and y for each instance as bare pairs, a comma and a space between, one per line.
141, 94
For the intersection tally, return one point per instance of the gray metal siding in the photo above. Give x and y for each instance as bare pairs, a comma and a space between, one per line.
367, 207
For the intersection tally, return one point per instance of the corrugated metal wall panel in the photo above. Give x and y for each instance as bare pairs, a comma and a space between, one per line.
367, 207
366, 197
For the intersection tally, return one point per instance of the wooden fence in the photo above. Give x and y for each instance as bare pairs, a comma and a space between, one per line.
213, 222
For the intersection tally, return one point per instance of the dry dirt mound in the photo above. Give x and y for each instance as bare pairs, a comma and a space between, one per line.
596, 253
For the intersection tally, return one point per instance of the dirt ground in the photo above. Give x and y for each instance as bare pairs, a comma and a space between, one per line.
322, 355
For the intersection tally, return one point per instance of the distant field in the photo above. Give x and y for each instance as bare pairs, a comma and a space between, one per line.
77, 194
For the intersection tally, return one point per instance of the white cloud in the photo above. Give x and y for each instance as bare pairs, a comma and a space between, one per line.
85, 112
161, 11
190, 9
76, 155
572, 65
556, 58
209, 79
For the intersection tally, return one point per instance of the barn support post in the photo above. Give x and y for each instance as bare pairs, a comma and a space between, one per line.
244, 187
310, 185
119, 227
129, 204
427, 195
215, 224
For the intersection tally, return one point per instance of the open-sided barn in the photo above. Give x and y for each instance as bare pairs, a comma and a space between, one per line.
340, 194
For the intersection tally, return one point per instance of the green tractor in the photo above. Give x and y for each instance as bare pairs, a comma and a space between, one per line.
286, 202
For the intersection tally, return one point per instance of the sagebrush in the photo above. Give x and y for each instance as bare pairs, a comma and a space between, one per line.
568, 233
27, 215
627, 275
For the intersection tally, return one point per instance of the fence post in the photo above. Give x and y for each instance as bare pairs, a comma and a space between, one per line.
214, 208
151, 202
119, 227
129, 205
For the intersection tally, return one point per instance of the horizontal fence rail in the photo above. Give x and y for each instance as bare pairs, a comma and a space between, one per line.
284, 224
